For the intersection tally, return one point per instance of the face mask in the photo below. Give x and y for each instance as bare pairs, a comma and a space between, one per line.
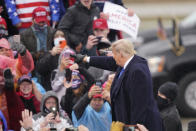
162, 103
40, 28
76, 83
57, 40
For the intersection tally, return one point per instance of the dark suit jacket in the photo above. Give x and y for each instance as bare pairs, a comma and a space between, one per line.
132, 98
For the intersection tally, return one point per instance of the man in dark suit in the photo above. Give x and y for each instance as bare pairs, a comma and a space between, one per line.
131, 93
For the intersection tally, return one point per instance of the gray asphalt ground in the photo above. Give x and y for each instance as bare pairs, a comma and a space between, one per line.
149, 12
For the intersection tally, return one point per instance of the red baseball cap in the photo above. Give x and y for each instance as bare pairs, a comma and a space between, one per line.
40, 14
100, 24
3, 22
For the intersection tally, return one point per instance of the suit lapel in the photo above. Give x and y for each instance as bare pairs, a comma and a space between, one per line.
119, 83
115, 81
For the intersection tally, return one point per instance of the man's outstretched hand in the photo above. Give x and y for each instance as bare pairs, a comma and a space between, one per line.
79, 58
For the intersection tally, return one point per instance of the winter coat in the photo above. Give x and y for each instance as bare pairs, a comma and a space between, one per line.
28, 39
44, 66
39, 118
171, 119
77, 23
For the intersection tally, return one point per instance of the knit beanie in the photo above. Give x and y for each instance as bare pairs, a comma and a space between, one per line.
169, 89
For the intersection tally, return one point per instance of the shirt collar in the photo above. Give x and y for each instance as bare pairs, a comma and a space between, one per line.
127, 62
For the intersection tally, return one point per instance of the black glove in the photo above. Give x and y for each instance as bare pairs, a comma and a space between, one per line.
20, 48
9, 78
78, 58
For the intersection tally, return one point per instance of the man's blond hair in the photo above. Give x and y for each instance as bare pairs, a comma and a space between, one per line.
124, 47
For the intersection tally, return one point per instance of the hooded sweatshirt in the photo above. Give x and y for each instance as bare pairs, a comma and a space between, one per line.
39, 118
57, 78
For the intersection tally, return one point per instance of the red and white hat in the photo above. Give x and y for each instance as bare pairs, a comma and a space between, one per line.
3, 22
40, 14
100, 24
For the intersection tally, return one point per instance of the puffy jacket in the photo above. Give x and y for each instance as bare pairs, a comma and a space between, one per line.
77, 23
44, 66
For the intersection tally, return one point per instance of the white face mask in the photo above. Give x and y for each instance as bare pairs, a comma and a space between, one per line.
57, 40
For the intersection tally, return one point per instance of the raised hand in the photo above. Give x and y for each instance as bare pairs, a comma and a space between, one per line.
92, 40
27, 121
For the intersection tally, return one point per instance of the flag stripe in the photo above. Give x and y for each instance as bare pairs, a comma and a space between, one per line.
37, 4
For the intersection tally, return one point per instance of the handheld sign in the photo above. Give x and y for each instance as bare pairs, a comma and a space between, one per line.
119, 19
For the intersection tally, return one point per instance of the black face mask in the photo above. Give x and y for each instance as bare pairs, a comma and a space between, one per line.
162, 103
46, 110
